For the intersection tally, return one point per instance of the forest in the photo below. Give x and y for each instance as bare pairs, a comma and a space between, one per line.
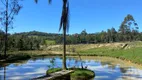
33, 40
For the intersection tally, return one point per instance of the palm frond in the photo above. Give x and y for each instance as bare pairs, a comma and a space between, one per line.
36, 1
68, 18
61, 22
64, 22
49, 1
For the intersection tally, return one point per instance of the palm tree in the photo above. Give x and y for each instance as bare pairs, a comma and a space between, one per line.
64, 23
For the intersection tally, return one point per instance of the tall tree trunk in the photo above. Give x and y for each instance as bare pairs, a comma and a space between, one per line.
64, 47
6, 29
64, 33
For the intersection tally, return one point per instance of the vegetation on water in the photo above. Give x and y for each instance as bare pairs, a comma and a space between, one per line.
52, 70
82, 74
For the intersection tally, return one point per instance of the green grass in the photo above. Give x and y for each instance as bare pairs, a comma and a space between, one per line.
82, 74
50, 42
132, 54
78, 74
52, 70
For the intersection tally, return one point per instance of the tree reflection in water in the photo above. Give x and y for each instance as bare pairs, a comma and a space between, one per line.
3, 77
0, 73
5, 73
105, 70
123, 70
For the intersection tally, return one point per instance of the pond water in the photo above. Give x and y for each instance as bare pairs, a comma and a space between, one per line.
104, 68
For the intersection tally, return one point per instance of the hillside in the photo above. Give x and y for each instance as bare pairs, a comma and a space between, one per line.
39, 34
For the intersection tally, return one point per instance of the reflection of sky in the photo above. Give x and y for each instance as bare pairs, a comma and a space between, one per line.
109, 72
103, 71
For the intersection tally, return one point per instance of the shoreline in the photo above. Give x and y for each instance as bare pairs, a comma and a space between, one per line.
36, 55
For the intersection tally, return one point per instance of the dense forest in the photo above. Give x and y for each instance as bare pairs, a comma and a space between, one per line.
128, 31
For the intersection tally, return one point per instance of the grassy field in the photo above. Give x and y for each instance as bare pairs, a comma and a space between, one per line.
50, 42
129, 51
133, 54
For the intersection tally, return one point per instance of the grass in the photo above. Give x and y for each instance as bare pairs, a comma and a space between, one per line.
50, 42
78, 74
132, 54
52, 70
82, 74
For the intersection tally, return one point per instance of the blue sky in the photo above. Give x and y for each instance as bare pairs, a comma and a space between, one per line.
92, 15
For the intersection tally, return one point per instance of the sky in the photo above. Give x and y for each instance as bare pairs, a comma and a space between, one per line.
91, 15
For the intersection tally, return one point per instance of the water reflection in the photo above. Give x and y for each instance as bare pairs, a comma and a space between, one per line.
2, 73
105, 70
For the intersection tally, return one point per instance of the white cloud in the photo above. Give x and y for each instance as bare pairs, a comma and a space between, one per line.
37, 71
15, 78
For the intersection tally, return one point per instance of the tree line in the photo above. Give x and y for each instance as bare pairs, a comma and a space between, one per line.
128, 31
21, 42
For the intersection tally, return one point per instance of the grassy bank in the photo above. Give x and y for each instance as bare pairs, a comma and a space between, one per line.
15, 57
131, 52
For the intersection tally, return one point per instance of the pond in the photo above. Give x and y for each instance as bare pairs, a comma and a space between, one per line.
104, 68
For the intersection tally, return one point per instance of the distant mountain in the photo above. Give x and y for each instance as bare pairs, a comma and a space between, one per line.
51, 36
36, 33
